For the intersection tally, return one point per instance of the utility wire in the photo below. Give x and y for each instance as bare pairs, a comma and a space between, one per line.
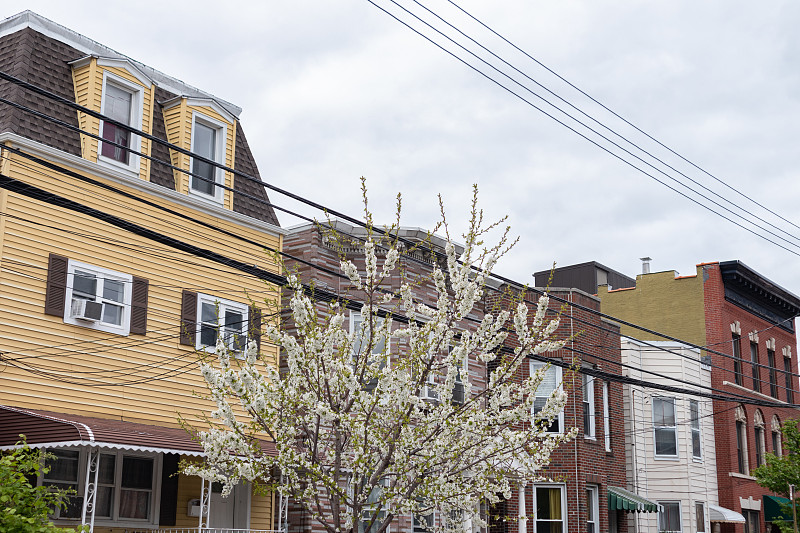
584, 136
626, 121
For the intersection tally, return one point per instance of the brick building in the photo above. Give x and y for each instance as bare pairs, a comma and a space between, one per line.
747, 322
585, 487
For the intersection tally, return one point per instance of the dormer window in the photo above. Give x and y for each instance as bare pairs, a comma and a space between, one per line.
122, 101
208, 141
118, 105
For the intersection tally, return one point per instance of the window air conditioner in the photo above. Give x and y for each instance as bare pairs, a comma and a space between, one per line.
430, 394
86, 310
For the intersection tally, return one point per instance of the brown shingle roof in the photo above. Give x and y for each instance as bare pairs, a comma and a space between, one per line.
46, 427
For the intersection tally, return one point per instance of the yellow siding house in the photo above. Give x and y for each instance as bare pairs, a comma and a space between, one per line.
124, 255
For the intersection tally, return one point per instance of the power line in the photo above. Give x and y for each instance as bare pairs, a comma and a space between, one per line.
593, 119
596, 143
626, 121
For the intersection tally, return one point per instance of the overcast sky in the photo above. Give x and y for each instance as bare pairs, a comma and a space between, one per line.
335, 90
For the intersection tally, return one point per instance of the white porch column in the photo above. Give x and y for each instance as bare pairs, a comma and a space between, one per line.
522, 518
205, 505
90, 489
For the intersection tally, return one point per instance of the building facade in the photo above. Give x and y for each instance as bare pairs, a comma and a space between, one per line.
671, 454
583, 487
119, 270
746, 324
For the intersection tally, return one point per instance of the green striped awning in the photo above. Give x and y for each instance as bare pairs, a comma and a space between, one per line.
624, 500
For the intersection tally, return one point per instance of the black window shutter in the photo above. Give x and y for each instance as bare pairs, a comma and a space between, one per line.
188, 317
254, 329
139, 306
169, 490
56, 285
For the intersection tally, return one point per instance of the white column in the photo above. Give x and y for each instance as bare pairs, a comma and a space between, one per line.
522, 518
205, 505
90, 488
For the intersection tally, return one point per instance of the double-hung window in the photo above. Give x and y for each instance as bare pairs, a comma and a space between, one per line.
592, 509
787, 372
122, 102
606, 418
773, 373
63, 474
737, 359
694, 418
208, 141
669, 517
550, 506
225, 319
665, 430
551, 381
758, 426
700, 516
754, 363
587, 383
368, 512
378, 354
98, 298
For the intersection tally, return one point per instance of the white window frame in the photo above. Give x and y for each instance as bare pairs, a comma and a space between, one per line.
222, 305
219, 156
367, 510
593, 505
695, 430
673, 427
587, 383
534, 366
701, 506
102, 274
114, 520
564, 517
137, 112
606, 417
680, 516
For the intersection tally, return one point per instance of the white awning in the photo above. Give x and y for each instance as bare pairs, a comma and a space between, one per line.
721, 514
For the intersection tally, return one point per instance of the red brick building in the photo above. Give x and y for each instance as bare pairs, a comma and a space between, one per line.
585, 481
747, 323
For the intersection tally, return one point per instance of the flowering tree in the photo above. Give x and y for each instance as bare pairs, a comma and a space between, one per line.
360, 438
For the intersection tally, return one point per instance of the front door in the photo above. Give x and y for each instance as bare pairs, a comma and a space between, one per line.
231, 512
223, 510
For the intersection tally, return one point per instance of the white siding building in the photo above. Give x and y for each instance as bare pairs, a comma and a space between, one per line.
669, 437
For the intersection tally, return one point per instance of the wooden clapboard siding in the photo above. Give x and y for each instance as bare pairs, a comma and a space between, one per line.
174, 119
88, 90
26, 331
188, 489
261, 511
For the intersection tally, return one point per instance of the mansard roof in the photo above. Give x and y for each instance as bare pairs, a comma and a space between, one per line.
39, 51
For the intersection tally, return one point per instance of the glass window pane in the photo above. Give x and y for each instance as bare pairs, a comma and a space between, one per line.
548, 503
137, 473
114, 290
208, 335
208, 313
112, 314
696, 452
665, 441
118, 104
204, 144
85, 284
64, 467
105, 500
134, 504
107, 466
234, 320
